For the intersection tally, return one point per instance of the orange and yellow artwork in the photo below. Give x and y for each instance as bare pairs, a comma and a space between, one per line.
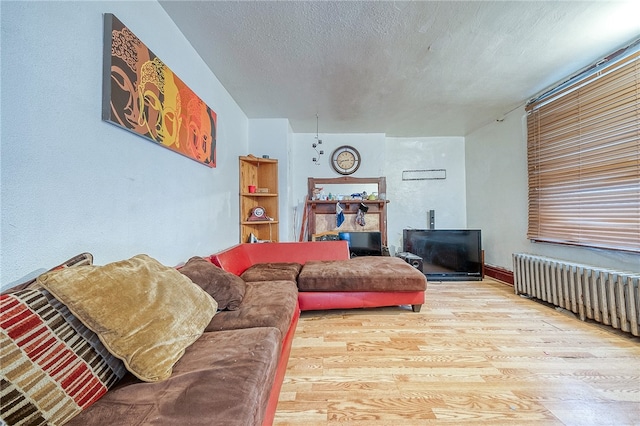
142, 95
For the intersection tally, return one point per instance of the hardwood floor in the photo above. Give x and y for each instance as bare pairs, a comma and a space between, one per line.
475, 354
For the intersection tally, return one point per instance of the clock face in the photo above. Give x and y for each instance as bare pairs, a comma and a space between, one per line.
258, 211
345, 160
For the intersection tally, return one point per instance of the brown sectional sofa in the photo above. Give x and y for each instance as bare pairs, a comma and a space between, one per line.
329, 279
232, 373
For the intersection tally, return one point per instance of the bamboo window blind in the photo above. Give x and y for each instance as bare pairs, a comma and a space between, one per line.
583, 151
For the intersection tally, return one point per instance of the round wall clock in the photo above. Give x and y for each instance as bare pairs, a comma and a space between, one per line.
345, 160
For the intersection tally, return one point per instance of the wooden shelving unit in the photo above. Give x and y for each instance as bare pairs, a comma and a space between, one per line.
262, 173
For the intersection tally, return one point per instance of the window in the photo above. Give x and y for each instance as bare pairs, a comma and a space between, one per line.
583, 150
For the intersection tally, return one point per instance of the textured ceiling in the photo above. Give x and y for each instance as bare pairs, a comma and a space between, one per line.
400, 68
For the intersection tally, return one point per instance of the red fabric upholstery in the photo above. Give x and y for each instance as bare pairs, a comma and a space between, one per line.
270, 412
234, 259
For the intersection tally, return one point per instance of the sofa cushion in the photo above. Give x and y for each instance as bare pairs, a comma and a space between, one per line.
279, 271
224, 378
366, 273
52, 365
145, 313
226, 288
265, 304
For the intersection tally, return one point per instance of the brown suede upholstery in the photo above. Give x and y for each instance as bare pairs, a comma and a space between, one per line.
368, 273
265, 304
226, 288
223, 379
283, 271
232, 374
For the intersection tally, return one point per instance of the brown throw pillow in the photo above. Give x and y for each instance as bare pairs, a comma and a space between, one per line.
226, 288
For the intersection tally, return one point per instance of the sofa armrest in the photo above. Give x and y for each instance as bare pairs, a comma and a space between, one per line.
235, 259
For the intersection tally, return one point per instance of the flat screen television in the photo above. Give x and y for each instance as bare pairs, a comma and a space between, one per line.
363, 243
447, 254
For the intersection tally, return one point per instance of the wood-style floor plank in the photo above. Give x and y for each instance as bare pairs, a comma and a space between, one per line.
475, 354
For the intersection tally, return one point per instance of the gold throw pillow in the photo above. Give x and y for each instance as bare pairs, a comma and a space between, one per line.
145, 313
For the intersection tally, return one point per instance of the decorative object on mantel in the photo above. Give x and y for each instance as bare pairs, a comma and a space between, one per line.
362, 210
141, 94
316, 144
318, 194
339, 215
429, 174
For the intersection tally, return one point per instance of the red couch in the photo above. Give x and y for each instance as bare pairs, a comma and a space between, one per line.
239, 258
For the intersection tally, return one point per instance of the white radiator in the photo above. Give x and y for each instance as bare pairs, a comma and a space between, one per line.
603, 295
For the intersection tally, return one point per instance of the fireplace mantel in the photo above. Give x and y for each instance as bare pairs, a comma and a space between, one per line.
322, 213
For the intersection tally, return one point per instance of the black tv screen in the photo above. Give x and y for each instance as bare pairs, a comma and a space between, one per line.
363, 243
447, 254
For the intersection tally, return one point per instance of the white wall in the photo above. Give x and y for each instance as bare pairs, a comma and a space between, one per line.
73, 183
382, 156
371, 147
496, 164
273, 137
412, 199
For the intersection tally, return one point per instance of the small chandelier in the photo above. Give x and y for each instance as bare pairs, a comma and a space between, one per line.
316, 145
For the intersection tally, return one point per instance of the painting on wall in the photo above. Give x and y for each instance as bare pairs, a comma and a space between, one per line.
142, 95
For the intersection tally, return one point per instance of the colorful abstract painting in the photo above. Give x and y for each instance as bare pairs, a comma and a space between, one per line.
141, 94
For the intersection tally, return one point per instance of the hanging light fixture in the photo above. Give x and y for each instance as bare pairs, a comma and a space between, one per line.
316, 145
